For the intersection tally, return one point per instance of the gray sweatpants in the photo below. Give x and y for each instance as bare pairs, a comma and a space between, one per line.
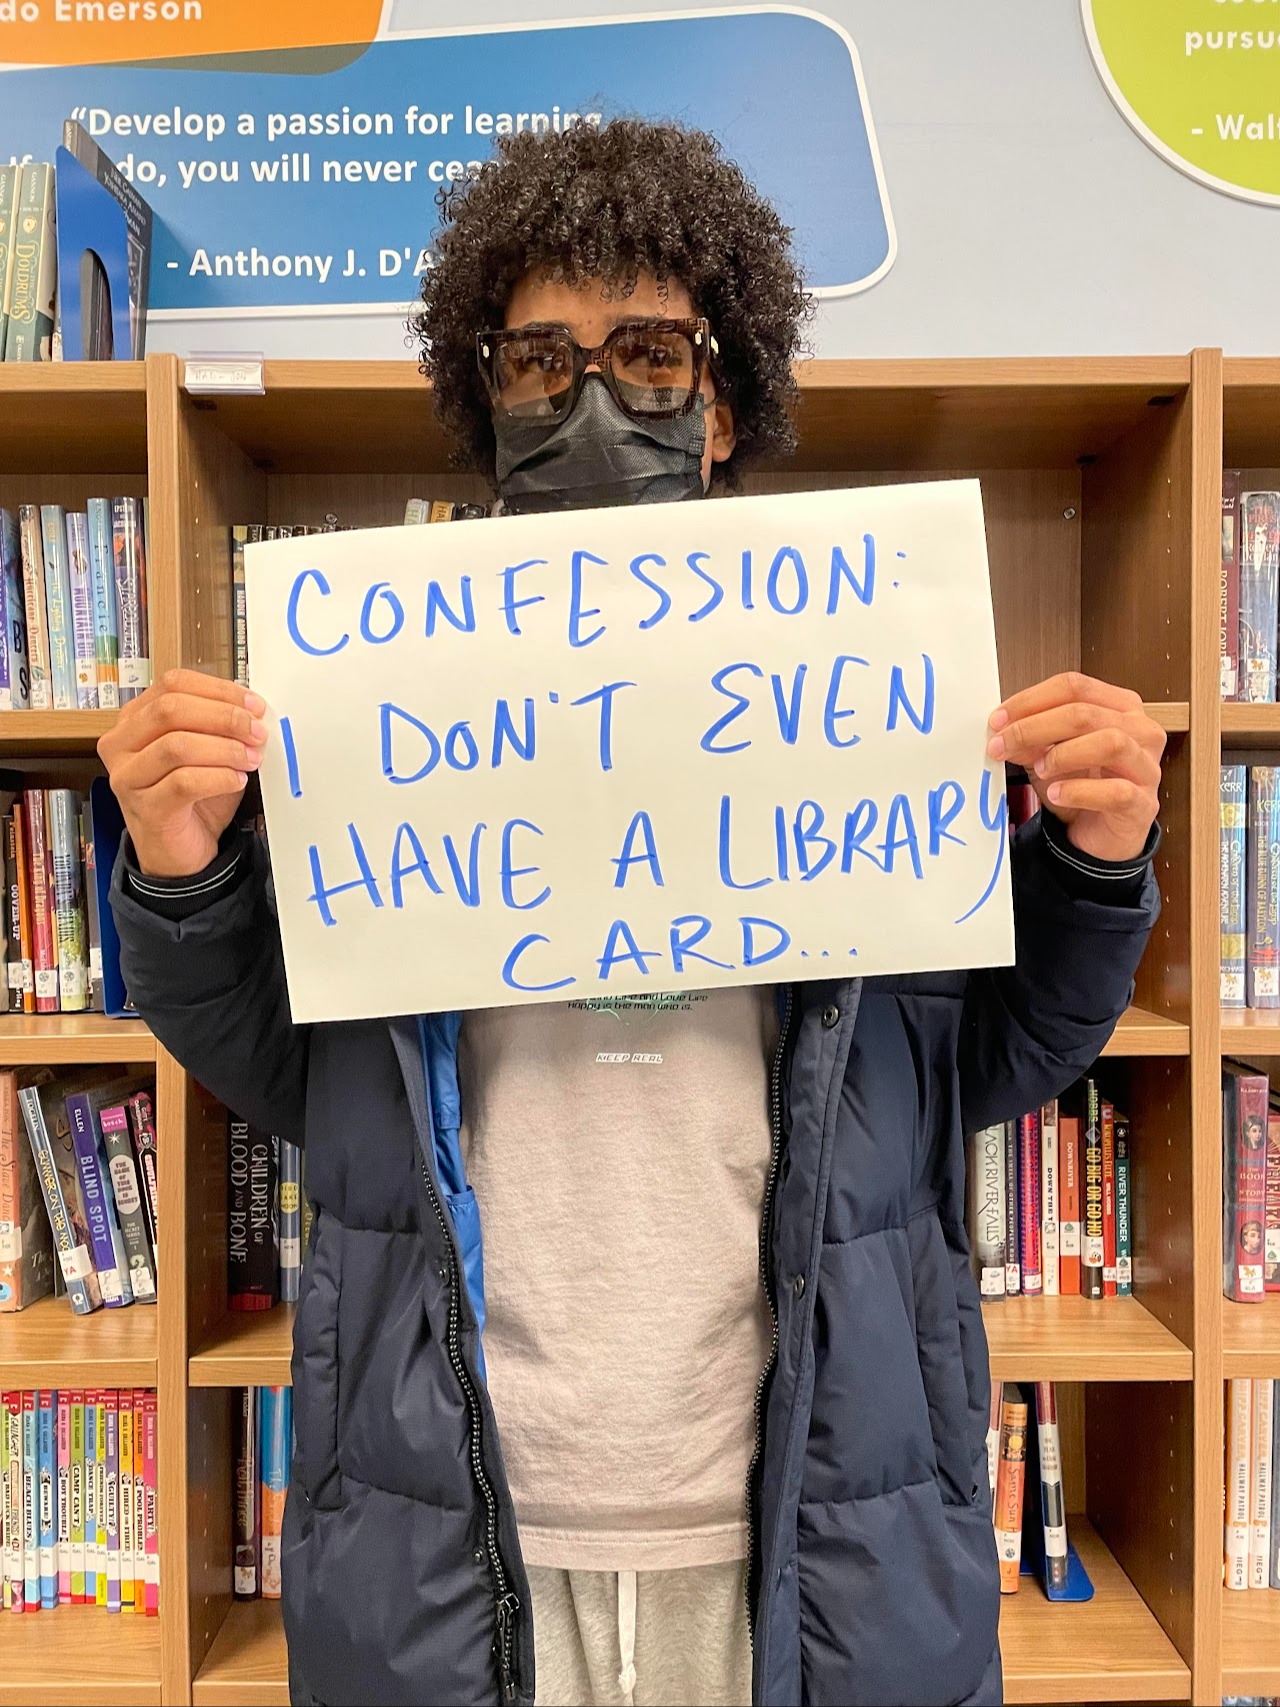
642, 1638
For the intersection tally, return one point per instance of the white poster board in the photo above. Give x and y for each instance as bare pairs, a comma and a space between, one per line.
611, 751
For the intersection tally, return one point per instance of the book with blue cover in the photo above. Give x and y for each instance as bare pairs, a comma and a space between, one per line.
1262, 949
83, 640
1259, 578
1232, 815
15, 678
57, 589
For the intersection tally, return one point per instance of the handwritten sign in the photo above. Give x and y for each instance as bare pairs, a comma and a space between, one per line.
678, 746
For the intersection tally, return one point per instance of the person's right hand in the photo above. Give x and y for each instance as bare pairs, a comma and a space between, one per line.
178, 759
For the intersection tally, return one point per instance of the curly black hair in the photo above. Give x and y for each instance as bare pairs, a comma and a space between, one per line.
610, 202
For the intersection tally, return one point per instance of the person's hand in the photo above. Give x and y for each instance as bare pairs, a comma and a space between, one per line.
178, 758
1092, 755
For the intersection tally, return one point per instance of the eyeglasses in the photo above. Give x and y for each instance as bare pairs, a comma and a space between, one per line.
653, 368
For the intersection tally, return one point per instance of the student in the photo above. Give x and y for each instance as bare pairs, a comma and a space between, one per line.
680, 1479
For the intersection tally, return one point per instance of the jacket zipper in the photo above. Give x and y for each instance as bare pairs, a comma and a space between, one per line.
766, 1280
506, 1604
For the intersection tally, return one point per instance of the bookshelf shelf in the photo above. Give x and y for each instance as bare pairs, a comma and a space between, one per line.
63, 1040
48, 1345
1173, 716
1081, 1339
249, 1348
80, 1654
1141, 1033
248, 1664
1250, 1641
52, 732
73, 417
1251, 1031
1250, 725
1251, 1340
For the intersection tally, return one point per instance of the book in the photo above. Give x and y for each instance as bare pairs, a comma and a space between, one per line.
1273, 1578
109, 1402
986, 1178
1049, 1182
1092, 1248
57, 592
10, 183
1232, 885
46, 1487
26, 1244
1259, 561
1124, 1210
1010, 1485
20, 912
106, 1243
138, 222
76, 1486
290, 1162
71, 1241
1069, 1214
103, 585
1270, 1201
1029, 1204
139, 1504
130, 559
151, 1525
1229, 593
239, 605
30, 1503
1108, 1114
40, 872
247, 1539
993, 1441
126, 1189
143, 1128
125, 1438
1053, 1500
275, 1409
84, 641
92, 1494
70, 930
416, 511
33, 269
1012, 1268
1261, 1427
14, 1549
252, 1259
15, 678
62, 1496
93, 920
31, 547
1244, 1175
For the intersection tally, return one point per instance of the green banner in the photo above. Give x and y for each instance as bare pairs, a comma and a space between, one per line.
1199, 80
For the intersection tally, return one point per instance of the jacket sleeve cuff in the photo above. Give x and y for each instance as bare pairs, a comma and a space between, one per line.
179, 898
1114, 883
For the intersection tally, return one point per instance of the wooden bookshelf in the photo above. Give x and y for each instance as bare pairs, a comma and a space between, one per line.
1081, 1339
1251, 1031
249, 1348
1250, 726
80, 1654
1251, 1338
45, 733
248, 1663
1250, 1642
1141, 1033
48, 1345
66, 1040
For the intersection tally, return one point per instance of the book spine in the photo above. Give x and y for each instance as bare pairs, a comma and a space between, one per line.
17, 969
93, 922
15, 690
57, 587
84, 646
73, 1257
111, 1407
77, 1496
251, 1221
46, 1434
1012, 1269
1245, 1110
277, 1450
152, 1522
125, 1438
139, 1503
123, 1171
1010, 1480
1233, 812
26, 928
143, 1125
33, 599
40, 867
26, 1243
15, 1547
1108, 1200
33, 269
6, 1578
1273, 1580
31, 1501
1069, 1215
1029, 1204
99, 1215
10, 179
102, 577
290, 1157
1124, 1210
1053, 1502
1259, 556
62, 1501
1262, 949
993, 1441
416, 512
986, 1210
130, 559
247, 1501
1271, 1205
72, 950
1260, 1433
1092, 1248
1049, 1211
239, 605
91, 1496
1229, 598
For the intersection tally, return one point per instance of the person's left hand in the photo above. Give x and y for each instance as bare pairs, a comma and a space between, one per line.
1092, 755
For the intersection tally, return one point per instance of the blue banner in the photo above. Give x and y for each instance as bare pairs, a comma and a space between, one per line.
283, 192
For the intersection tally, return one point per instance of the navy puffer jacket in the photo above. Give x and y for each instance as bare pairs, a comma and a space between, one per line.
873, 1574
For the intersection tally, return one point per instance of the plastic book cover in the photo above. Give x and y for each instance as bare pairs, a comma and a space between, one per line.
57, 589
1262, 949
103, 582
252, 1248
1259, 563
71, 1240
93, 917
1124, 1210
986, 1177
1010, 1485
290, 1221
138, 223
20, 910
1012, 1270
1244, 1174
33, 600
69, 923
1229, 598
239, 606
1232, 887
76, 1488
84, 645
152, 1516
33, 270
107, 823
276, 1437
1260, 1443
126, 1188
10, 184
15, 676
15, 1543
1092, 1248
124, 1435
99, 1204
130, 559
1108, 1200
26, 1244
92, 1496
1273, 1580
1271, 1199
31, 1501
247, 1497
1029, 1204
63, 1500
1053, 1505
139, 1503
1049, 1210
1069, 1172
40, 872
46, 1496
111, 1484
143, 1124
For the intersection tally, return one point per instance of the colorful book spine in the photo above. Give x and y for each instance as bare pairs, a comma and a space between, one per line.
10, 184
1049, 1194
1235, 1550
130, 559
92, 1498
1053, 1500
17, 968
1124, 1209
31, 1502
1244, 1182
63, 1499
84, 645
127, 1191
239, 605
124, 1431
1260, 1442
252, 1259
1259, 561
1010, 1484
1108, 1200
6, 1579
143, 1124
33, 598
98, 1204
111, 1407
57, 588
1262, 950
276, 1419
1232, 885
1029, 1204
33, 269
71, 932
139, 1503
1092, 1247
152, 1523
1070, 1162
77, 1497
247, 1557
88, 854
1274, 1577
21, 905
70, 1240
15, 1545
986, 1177
15, 676
290, 1221
1012, 1267
1229, 596
40, 870
46, 1495
26, 1244
1271, 1203
102, 576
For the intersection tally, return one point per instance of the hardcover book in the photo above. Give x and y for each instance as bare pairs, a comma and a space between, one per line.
1259, 562
1229, 598
1244, 1175
1232, 887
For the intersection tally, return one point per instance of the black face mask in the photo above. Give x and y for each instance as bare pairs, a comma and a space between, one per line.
599, 456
